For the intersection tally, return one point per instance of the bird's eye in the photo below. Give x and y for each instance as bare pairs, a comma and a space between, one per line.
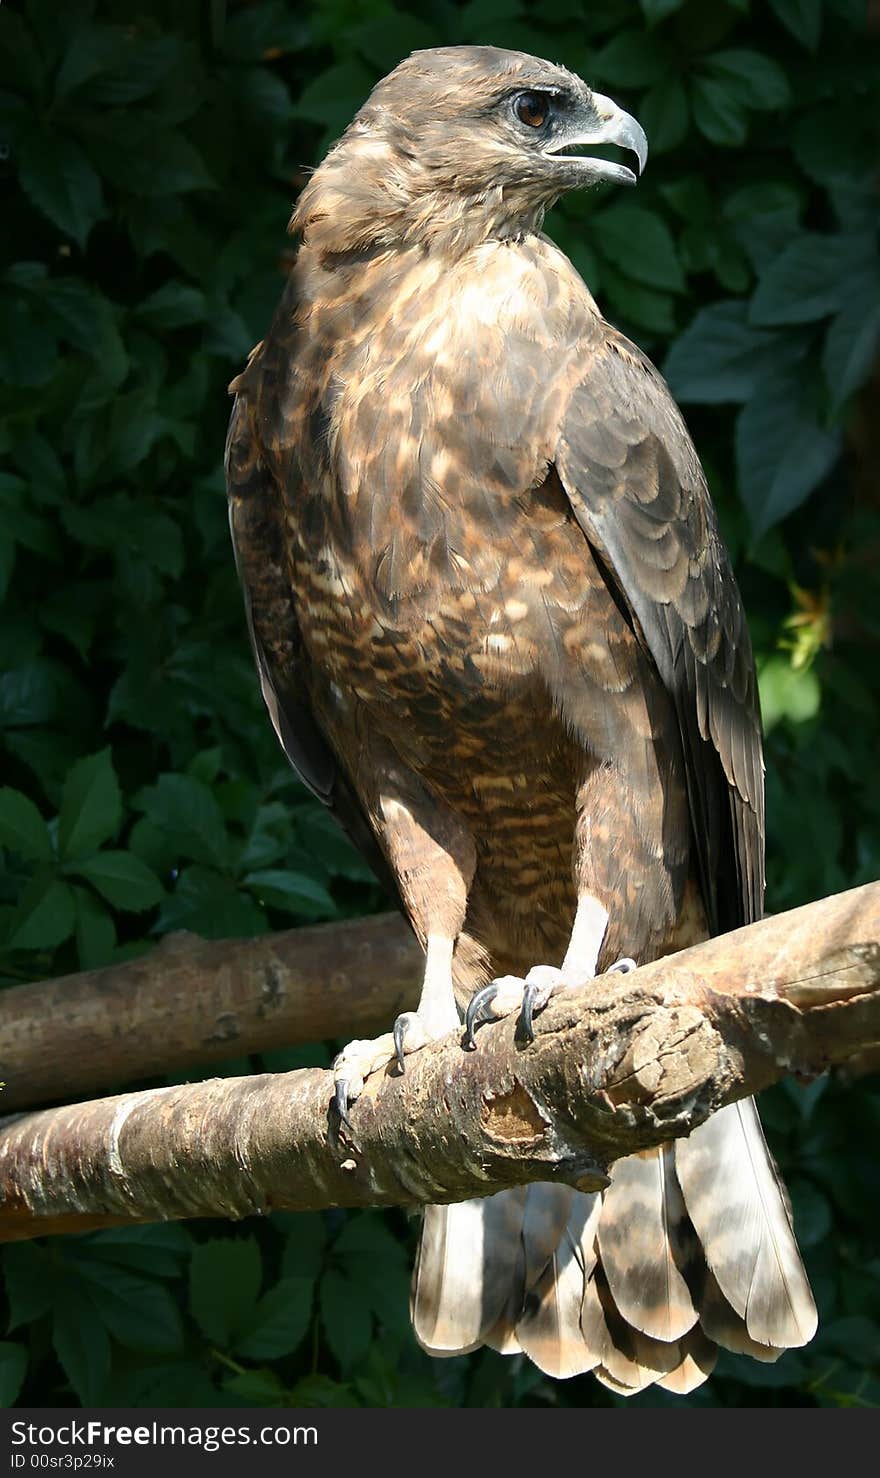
532, 108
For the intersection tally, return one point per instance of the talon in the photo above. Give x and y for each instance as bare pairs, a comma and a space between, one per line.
622, 967
399, 1034
477, 1012
340, 1102
525, 1029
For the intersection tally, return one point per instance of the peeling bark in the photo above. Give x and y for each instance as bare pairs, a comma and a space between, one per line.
619, 1064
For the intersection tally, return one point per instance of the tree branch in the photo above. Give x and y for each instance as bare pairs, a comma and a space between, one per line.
619, 1064
194, 1001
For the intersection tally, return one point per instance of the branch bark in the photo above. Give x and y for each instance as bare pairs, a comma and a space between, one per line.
192, 1001
619, 1064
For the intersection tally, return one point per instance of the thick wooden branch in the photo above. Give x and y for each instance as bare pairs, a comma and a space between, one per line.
620, 1064
191, 1002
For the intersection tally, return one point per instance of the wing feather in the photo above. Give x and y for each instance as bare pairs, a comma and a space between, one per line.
635, 486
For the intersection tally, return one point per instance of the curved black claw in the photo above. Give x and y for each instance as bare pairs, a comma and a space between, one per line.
478, 1012
526, 1030
340, 1102
622, 967
399, 1034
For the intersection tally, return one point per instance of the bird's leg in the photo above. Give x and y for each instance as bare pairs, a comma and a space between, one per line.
434, 861
435, 1016
503, 996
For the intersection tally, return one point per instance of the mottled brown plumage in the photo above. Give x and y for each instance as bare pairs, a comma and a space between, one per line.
498, 634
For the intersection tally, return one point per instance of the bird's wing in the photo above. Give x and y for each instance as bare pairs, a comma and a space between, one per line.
636, 488
256, 525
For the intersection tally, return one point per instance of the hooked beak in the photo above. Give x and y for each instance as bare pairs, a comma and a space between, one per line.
609, 125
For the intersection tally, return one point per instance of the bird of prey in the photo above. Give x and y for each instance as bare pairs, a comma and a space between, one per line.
498, 634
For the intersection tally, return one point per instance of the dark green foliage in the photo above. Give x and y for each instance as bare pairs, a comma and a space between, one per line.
149, 155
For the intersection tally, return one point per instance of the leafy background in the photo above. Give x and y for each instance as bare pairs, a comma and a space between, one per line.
149, 153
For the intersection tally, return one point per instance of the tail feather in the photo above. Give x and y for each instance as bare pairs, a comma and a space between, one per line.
545, 1219
691, 1247
549, 1329
466, 1264
631, 1359
732, 1192
697, 1363
721, 1324
646, 1242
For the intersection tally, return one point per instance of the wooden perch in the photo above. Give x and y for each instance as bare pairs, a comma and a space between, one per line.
619, 1064
192, 1001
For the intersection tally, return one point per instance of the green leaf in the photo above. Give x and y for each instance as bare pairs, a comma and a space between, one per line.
224, 1281
664, 115
159, 1250
292, 890
7, 565
812, 1212
92, 49
187, 810
630, 59
21, 66
209, 904
346, 1317
144, 64
279, 1323
324, 839
13, 1368
658, 10
27, 694
807, 281
787, 692
383, 40
257, 1388
753, 78
803, 18
123, 879
718, 111
763, 198
320, 1391
640, 243
788, 1370
91, 805
28, 350
333, 97
377, 1264
139, 1312
851, 347
30, 1283
45, 916
782, 453
174, 305
59, 179
95, 931
81, 1341
367, 1234
722, 357
22, 828
250, 32
141, 158
305, 1242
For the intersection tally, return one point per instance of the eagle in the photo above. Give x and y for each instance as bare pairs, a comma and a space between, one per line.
498, 635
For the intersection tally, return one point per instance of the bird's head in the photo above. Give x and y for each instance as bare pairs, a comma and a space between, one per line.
462, 143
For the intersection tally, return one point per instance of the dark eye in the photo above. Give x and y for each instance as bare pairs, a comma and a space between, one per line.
532, 108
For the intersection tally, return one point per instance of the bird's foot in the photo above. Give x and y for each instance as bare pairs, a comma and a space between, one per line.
355, 1063
509, 993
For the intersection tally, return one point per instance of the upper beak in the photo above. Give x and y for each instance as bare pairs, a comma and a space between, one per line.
614, 127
